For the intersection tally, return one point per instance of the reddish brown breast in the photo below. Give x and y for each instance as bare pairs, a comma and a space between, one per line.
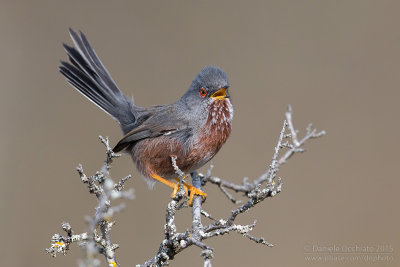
154, 155
214, 133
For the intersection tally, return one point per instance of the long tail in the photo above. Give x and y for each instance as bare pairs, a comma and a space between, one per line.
88, 75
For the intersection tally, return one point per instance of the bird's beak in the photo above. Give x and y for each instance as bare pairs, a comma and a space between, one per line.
220, 94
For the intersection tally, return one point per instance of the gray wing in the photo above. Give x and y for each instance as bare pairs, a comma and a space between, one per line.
160, 122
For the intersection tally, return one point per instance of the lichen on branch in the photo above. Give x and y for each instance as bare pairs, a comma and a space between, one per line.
256, 191
97, 240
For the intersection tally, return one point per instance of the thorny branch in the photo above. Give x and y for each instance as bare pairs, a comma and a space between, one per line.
174, 242
97, 240
247, 187
255, 191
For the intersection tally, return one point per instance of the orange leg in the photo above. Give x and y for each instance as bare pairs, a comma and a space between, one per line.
175, 186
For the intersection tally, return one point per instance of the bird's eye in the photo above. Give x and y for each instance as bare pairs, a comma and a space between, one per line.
203, 92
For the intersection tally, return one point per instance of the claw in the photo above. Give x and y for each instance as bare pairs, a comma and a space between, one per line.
193, 190
176, 189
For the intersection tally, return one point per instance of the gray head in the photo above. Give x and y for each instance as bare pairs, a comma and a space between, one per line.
209, 85
211, 78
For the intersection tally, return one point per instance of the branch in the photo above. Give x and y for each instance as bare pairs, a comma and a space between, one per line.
97, 240
292, 148
256, 191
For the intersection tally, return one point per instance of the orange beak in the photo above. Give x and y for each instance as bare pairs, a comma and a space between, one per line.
220, 94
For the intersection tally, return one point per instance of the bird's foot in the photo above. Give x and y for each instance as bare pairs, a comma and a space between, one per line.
192, 191
176, 189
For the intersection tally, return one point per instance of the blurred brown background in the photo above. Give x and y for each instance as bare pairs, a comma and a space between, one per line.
336, 62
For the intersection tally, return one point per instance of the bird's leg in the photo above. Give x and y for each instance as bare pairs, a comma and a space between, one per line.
193, 191
188, 187
173, 185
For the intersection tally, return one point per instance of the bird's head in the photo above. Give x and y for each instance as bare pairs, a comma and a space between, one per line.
208, 95
211, 84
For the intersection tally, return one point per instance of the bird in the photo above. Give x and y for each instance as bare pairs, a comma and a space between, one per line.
192, 129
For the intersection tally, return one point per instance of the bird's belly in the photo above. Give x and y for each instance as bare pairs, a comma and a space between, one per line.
153, 156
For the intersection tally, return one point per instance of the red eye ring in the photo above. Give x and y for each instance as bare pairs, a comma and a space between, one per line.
203, 92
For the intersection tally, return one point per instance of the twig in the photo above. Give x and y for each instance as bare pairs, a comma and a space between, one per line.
207, 215
294, 147
98, 238
175, 242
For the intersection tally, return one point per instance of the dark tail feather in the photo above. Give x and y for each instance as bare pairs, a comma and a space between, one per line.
88, 75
